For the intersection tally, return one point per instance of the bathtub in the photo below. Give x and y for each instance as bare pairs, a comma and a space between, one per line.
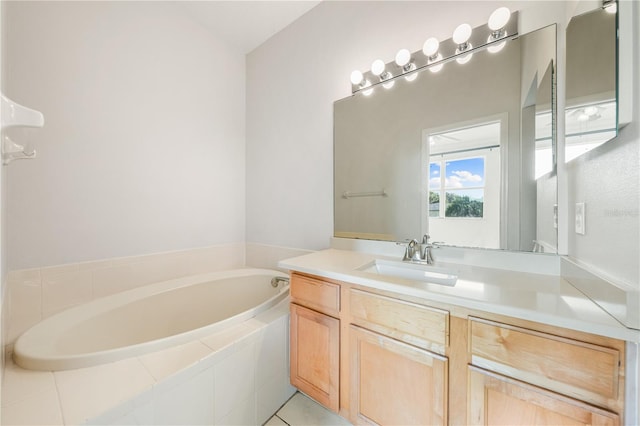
148, 319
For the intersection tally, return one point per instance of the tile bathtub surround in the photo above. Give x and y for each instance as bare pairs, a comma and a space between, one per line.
237, 376
35, 294
268, 256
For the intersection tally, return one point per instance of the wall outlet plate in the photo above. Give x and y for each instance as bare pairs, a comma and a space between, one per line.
580, 218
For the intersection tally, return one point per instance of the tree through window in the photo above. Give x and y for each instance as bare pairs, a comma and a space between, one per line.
460, 183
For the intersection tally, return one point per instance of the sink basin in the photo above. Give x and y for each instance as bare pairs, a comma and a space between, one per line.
412, 271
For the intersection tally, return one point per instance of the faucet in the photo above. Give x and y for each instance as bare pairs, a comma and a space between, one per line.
412, 251
419, 252
427, 247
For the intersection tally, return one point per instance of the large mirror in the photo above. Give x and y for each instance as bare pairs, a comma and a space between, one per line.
465, 154
591, 108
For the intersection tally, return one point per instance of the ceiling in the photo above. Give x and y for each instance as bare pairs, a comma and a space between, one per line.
246, 24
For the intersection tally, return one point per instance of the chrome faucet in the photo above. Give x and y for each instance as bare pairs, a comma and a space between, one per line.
419, 252
427, 254
412, 251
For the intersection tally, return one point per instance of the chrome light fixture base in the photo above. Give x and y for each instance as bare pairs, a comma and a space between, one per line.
481, 37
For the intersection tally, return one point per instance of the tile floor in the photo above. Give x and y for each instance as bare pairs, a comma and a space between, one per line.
301, 410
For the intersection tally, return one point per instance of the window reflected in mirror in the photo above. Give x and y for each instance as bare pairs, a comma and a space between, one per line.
464, 180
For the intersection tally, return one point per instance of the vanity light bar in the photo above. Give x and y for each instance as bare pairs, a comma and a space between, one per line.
447, 50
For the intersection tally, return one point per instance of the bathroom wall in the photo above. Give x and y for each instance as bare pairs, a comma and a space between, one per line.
143, 145
607, 180
294, 78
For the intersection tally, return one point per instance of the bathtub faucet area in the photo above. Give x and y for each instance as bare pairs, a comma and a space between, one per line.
276, 281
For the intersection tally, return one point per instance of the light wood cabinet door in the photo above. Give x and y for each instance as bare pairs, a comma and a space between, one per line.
498, 400
315, 355
393, 383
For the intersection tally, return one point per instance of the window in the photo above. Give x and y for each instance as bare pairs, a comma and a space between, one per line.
456, 186
462, 182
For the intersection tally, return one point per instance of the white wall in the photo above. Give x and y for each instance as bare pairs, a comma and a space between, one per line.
143, 145
293, 80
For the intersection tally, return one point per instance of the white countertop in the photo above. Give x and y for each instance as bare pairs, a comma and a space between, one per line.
547, 299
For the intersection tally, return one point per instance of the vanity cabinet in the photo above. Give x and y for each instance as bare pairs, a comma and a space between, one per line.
380, 358
315, 339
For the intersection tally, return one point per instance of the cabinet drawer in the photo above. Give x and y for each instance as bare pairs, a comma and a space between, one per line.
320, 295
583, 370
499, 400
419, 325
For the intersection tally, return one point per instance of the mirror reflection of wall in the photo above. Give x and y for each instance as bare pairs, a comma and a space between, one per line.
545, 177
591, 109
381, 155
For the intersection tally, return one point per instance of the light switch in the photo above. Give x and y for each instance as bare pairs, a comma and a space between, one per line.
580, 218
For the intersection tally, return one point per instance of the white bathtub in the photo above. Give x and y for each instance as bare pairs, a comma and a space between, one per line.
147, 319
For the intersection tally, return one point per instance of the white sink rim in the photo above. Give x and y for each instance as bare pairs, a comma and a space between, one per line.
413, 271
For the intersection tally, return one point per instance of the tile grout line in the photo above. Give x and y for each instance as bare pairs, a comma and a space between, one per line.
282, 420
55, 383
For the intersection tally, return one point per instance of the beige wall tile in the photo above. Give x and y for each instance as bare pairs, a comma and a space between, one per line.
25, 297
19, 324
111, 280
66, 289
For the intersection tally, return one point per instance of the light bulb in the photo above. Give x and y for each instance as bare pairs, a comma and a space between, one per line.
356, 77
464, 58
611, 7
462, 33
368, 91
591, 110
436, 68
411, 76
403, 57
496, 47
430, 47
388, 84
499, 18
377, 67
